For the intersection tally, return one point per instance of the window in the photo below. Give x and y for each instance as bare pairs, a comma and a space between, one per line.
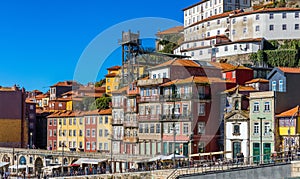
256, 128
201, 147
105, 146
280, 85
233, 21
80, 133
271, 27
226, 48
106, 133
100, 120
54, 132
267, 128
94, 146
257, 28
201, 127
108, 87
200, 52
218, 21
50, 133
81, 121
201, 110
164, 75
70, 132
146, 128
154, 76
283, 26
267, 106
157, 128
208, 24
233, 74
273, 85
233, 32
74, 132
93, 133
244, 19
236, 129
70, 122
296, 26
100, 133
87, 120
208, 34
93, 120
284, 15
151, 128
296, 14
185, 128
218, 32
141, 126
88, 133
271, 16
100, 146
235, 47
74, 121
106, 119
88, 147
257, 17
50, 122
256, 107
65, 121
244, 30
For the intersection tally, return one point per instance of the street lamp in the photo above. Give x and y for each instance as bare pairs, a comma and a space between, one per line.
31, 140
261, 142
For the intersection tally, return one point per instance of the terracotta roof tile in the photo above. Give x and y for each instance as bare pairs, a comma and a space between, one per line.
66, 83
239, 67
240, 88
178, 62
257, 80
222, 66
114, 68
106, 111
173, 30
289, 113
289, 69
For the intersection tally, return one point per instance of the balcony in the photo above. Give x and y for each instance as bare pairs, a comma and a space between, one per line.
171, 117
131, 123
204, 96
152, 82
131, 139
133, 92
148, 117
150, 98
117, 122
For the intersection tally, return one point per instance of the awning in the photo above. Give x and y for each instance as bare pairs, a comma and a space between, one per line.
159, 157
17, 167
2, 164
89, 161
170, 157
209, 153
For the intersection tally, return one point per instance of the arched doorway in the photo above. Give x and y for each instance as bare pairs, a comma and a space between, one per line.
38, 165
22, 160
65, 162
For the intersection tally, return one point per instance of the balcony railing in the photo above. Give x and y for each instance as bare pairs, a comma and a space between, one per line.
131, 139
150, 98
117, 122
150, 82
175, 116
148, 117
133, 92
131, 123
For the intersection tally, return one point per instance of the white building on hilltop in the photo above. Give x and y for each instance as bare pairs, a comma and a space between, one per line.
216, 34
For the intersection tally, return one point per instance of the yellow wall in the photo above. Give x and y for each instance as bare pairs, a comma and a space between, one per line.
69, 106
112, 81
104, 126
284, 131
67, 138
14, 132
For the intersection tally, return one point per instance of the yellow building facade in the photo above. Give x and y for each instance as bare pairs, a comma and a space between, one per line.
112, 79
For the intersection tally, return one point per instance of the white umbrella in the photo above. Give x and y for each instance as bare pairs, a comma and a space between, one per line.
159, 157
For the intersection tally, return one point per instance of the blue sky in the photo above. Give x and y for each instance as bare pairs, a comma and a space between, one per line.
42, 41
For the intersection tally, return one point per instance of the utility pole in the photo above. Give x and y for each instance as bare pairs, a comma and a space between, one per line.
261, 142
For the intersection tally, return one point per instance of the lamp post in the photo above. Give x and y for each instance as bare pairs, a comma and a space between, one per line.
31, 140
261, 142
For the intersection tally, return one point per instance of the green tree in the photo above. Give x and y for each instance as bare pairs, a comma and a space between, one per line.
101, 103
100, 83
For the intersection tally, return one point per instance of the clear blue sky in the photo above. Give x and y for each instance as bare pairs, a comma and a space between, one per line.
42, 40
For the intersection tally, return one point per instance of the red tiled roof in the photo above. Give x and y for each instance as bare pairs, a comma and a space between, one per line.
173, 30
114, 68
289, 69
222, 66
239, 67
257, 80
194, 5
178, 62
289, 113
105, 111
240, 88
